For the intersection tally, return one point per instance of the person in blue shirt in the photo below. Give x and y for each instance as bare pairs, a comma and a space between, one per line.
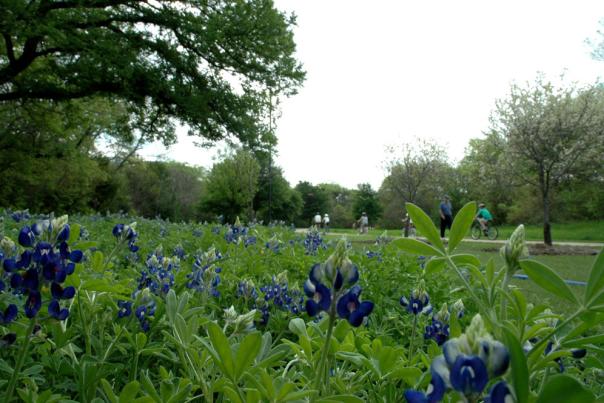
484, 217
446, 215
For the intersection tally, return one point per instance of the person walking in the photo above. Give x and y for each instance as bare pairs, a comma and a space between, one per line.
446, 215
325, 222
317, 220
363, 223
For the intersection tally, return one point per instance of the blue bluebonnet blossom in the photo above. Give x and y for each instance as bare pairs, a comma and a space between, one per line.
372, 255
199, 233
205, 276
19, 216
467, 365
274, 244
313, 241
330, 288
126, 233
438, 329
144, 308
159, 273
216, 230
281, 296
179, 252
9, 314
418, 301
235, 232
45, 263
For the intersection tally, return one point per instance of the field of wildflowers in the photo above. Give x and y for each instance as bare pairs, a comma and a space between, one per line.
117, 309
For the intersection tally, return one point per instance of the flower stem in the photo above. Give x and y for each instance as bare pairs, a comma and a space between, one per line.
19, 363
320, 380
554, 331
412, 342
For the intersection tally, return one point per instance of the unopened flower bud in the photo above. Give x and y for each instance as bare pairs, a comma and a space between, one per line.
514, 249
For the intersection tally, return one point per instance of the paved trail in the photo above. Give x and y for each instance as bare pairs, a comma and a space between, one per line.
467, 239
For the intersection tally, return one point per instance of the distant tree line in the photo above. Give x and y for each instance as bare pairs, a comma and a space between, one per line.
541, 161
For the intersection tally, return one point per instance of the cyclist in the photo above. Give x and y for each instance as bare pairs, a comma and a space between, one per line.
484, 217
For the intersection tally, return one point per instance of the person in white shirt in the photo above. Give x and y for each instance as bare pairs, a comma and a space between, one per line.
317, 220
326, 222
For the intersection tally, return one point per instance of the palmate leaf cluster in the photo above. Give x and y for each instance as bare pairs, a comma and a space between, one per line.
207, 64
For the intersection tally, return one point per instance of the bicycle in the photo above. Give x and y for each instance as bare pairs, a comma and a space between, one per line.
477, 231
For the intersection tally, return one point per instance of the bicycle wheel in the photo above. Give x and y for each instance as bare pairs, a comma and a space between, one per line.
476, 231
492, 234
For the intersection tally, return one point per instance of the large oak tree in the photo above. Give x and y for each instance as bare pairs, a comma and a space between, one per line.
205, 63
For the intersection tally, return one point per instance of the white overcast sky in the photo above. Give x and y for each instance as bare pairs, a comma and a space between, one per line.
380, 73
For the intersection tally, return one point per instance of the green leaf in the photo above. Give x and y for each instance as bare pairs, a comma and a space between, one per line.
435, 265
74, 233
340, 399
222, 347
595, 284
141, 341
520, 373
96, 262
108, 391
465, 259
547, 279
564, 388
231, 394
425, 226
461, 225
248, 350
416, 247
298, 327
129, 392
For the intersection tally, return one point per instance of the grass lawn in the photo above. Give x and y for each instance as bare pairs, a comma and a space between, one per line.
568, 267
579, 231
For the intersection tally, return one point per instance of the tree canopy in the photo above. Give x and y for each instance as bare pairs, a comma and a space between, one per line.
207, 64
551, 134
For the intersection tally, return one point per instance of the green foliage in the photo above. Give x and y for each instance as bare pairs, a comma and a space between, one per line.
314, 199
365, 200
230, 187
166, 61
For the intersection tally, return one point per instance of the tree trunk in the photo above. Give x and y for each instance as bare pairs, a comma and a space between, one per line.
547, 229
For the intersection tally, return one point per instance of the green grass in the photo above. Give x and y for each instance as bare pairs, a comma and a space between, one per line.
578, 232
568, 267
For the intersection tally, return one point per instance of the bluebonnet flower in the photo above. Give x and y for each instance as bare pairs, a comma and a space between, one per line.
274, 244
419, 300
19, 216
216, 230
313, 241
199, 233
421, 261
470, 361
438, 329
54, 309
126, 233
205, 276
9, 314
281, 296
328, 283
125, 308
372, 255
144, 305
500, 393
235, 232
436, 390
249, 241
350, 308
179, 252
159, 273
247, 290
45, 263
